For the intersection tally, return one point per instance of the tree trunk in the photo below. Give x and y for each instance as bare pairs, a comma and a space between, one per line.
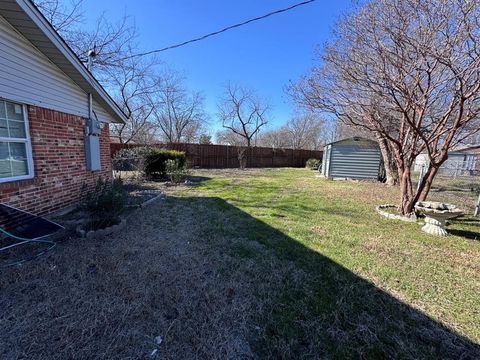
242, 159
408, 197
391, 171
407, 200
426, 183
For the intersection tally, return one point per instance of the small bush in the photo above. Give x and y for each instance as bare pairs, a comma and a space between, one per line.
105, 203
175, 171
132, 159
155, 161
313, 164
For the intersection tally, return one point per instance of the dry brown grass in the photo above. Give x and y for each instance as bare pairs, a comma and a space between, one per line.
167, 275
110, 298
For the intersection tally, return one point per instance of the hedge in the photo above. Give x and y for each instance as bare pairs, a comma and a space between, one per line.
155, 161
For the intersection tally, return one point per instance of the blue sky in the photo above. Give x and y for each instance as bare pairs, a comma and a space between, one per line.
263, 56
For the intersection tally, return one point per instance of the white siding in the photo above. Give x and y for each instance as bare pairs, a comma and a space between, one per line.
102, 115
27, 76
458, 163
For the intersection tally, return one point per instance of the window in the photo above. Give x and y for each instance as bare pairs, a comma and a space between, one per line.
15, 148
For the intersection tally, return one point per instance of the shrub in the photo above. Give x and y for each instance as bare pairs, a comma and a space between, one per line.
175, 171
130, 159
105, 203
313, 164
155, 161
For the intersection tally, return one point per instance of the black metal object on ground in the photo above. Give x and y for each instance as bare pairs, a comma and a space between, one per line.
24, 225
18, 227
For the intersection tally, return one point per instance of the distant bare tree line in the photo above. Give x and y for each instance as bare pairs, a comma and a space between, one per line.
244, 117
303, 131
155, 98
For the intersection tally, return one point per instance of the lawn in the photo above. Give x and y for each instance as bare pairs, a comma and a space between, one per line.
271, 263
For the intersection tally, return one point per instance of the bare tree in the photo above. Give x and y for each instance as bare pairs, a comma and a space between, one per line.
130, 82
151, 100
205, 139
134, 88
226, 137
242, 113
306, 131
62, 17
407, 70
278, 138
114, 43
303, 131
181, 116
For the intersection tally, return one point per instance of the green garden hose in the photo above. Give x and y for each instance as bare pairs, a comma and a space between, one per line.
24, 240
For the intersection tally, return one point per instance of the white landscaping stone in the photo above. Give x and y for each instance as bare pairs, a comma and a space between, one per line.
381, 210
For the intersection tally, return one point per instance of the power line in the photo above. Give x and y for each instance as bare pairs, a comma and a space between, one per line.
220, 31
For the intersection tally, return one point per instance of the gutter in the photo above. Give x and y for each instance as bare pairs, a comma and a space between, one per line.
94, 86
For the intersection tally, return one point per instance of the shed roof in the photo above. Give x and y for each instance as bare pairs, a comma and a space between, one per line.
29, 21
355, 138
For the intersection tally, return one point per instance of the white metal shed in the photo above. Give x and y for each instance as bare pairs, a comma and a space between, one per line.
353, 158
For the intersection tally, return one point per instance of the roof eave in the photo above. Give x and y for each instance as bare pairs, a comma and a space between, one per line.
28, 20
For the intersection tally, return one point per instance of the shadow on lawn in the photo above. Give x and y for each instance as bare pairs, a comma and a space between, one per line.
206, 276
471, 235
470, 222
332, 312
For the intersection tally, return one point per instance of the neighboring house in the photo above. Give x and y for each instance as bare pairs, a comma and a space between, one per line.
54, 115
462, 161
353, 158
472, 149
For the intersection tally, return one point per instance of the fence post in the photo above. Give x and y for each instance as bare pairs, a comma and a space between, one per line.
477, 207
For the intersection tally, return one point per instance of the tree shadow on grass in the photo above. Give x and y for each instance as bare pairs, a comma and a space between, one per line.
215, 283
330, 312
472, 234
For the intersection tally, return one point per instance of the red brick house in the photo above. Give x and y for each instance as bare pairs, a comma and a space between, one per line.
54, 115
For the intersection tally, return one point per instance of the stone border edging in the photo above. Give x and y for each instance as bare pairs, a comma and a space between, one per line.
149, 201
380, 209
101, 232
114, 228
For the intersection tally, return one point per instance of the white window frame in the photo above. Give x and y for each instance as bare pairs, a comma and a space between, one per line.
28, 144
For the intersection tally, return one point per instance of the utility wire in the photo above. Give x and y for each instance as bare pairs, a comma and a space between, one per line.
220, 31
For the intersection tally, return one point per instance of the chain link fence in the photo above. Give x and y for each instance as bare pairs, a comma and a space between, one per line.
131, 169
457, 182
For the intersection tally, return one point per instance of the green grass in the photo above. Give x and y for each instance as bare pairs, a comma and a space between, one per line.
256, 264
330, 231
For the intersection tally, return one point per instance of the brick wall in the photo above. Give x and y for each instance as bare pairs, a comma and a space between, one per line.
59, 163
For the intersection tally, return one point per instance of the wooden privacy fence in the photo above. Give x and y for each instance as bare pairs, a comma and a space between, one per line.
223, 156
